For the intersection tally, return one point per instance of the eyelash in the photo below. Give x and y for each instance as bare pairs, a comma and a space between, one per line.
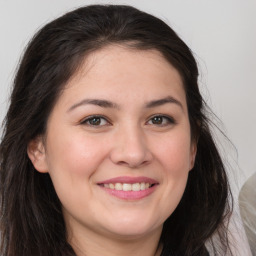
91, 118
168, 120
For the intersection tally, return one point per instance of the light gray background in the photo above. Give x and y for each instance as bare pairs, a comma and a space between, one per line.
221, 33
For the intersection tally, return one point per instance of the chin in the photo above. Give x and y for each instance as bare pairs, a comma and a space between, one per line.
134, 229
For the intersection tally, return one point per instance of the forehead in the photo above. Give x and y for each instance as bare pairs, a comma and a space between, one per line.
117, 70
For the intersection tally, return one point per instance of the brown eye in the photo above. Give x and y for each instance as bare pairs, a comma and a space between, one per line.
157, 120
95, 121
161, 120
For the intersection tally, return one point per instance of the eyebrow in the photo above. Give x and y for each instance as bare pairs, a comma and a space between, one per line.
160, 102
97, 102
109, 104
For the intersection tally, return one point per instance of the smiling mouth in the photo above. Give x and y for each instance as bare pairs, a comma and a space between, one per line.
128, 186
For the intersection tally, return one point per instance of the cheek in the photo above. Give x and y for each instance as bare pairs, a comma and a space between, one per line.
72, 162
74, 155
175, 154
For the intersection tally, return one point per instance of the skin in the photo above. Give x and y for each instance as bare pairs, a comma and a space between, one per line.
127, 142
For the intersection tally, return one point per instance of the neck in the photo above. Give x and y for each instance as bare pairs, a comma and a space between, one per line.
90, 244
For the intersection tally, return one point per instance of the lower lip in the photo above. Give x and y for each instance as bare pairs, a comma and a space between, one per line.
130, 195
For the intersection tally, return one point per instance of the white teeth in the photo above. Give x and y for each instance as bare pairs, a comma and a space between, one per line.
127, 186
118, 186
136, 187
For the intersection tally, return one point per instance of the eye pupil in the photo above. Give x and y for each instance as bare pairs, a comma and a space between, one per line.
157, 120
95, 121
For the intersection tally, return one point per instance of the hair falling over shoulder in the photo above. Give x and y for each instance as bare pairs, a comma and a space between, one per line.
31, 222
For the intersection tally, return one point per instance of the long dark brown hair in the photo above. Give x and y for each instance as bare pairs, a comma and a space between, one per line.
31, 218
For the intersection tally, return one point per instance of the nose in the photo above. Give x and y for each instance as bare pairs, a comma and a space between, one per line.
130, 148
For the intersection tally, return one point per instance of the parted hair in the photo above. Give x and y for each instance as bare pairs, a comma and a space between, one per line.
31, 222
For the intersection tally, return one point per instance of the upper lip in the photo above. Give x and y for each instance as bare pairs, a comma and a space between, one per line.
129, 180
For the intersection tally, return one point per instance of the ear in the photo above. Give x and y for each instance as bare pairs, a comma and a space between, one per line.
193, 151
37, 154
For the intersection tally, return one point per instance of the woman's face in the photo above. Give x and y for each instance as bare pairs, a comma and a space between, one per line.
118, 145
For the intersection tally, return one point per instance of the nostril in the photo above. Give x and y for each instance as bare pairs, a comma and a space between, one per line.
131, 154
133, 164
122, 163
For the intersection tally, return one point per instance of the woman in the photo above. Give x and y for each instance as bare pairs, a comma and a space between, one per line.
106, 148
